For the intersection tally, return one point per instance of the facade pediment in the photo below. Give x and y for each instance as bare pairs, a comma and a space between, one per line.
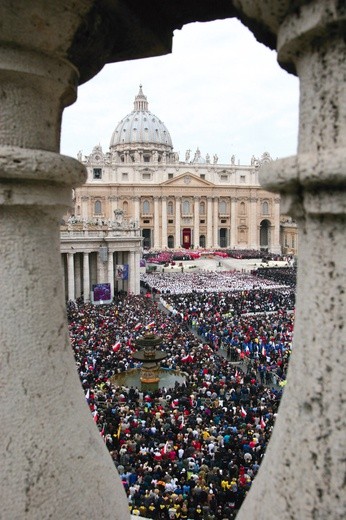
189, 180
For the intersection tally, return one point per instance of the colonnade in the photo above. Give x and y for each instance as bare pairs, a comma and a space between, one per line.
83, 269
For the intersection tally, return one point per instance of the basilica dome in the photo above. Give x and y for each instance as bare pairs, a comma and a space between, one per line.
141, 128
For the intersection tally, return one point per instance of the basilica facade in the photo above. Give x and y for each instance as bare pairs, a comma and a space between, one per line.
176, 202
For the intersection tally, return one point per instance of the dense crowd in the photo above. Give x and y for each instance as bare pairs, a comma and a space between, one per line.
205, 281
190, 451
284, 275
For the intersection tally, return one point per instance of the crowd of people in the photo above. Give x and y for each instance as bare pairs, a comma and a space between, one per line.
206, 281
190, 451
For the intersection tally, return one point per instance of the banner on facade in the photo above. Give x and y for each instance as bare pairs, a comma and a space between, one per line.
122, 272
101, 293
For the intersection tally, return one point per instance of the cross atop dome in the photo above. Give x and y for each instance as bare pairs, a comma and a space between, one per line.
141, 103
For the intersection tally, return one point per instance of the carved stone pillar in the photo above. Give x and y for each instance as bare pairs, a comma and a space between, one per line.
51, 450
215, 221
86, 277
157, 244
196, 222
209, 222
164, 222
177, 242
309, 435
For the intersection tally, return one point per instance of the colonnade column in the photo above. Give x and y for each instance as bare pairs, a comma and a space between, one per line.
177, 242
216, 221
137, 288
132, 273
209, 243
110, 271
196, 222
156, 224
234, 238
70, 276
77, 275
164, 222
86, 277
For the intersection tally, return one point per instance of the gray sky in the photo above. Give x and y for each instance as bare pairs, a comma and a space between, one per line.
219, 90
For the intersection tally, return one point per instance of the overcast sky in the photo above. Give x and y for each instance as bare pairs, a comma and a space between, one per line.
219, 90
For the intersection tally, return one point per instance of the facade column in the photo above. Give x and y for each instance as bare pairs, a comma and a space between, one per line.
77, 275
110, 271
164, 222
70, 276
275, 246
137, 215
86, 277
157, 244
216, 221
309, 433
196, 222
177, 241
253, 239
234, 237
209, 243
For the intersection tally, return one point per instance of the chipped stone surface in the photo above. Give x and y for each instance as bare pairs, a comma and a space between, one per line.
53, 462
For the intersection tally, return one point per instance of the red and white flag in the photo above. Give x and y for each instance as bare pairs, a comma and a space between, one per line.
116, 346
150, 325
264, 352
243, 412
138, 326
262, 423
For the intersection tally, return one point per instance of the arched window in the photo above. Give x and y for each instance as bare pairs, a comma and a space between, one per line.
202, 241
98, 208
202, 208
170, 208
242, 208
222, 207
146, 207
265, 208
170, 241
186, 207
125, 207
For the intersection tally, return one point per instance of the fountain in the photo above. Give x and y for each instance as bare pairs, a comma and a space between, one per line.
150, 357
150, 376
